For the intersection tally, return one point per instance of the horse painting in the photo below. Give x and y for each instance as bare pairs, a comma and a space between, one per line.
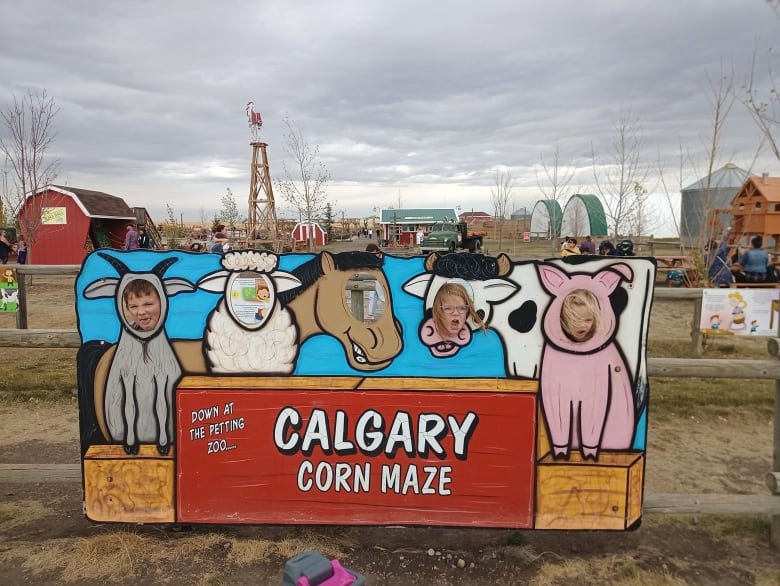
320, 307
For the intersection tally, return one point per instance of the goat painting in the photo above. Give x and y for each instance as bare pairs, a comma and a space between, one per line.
143, 372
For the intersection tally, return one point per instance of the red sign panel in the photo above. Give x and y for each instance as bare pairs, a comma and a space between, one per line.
355, 457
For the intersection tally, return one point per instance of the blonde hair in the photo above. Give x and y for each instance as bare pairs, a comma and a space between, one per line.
573, 301
439, 319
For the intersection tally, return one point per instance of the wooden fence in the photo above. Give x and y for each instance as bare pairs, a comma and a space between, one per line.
657, 367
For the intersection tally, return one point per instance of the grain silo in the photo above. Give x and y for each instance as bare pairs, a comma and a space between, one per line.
700, 198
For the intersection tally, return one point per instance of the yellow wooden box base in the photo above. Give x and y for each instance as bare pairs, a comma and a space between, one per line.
122, 488
574, 494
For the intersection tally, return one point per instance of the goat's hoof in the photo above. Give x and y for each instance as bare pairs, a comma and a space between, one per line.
164, 449
131, 450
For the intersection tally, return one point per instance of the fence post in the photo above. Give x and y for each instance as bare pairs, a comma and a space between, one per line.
21, 308
773, 478
774, 520
696, 336
357, 284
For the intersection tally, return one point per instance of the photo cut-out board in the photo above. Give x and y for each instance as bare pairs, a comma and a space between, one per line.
458, 389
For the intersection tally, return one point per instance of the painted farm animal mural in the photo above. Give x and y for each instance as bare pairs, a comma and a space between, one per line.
586, 386
8, 296
320, 307
138, 398
250, 331
484, 277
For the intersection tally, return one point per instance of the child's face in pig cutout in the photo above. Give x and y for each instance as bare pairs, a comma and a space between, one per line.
601, 285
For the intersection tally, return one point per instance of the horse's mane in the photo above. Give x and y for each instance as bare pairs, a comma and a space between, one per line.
311, 270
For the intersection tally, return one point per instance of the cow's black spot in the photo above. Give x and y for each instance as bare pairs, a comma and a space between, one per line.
523, 318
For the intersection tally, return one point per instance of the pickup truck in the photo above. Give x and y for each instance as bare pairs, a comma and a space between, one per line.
447, 236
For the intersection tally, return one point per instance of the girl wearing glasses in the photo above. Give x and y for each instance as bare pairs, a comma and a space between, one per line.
451, 308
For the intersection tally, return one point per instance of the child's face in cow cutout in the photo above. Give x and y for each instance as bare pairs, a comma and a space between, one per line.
143, 308
580, 315
451, 314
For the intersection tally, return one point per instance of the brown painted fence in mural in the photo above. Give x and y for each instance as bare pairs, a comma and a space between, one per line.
769, 504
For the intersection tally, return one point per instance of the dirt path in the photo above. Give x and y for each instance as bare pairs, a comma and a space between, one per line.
45, 537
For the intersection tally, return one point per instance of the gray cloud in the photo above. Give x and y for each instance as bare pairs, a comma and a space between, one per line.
427, 98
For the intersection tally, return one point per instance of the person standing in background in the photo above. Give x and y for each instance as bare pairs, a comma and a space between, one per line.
587, 246
5, 247
143, 239
754, 261
718, 269
131, 238
570, 248
219, 240
21, 250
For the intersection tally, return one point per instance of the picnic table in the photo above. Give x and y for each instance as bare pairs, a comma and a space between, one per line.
682, 263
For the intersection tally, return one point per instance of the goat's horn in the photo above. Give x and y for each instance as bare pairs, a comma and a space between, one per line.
120, 267
162, 266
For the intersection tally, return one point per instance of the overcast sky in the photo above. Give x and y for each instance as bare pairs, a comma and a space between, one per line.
417, 101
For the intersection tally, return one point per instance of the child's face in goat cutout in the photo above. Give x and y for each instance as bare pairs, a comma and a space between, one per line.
144, 309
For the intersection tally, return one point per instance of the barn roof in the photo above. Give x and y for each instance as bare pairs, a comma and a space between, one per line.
416, 215
95, 204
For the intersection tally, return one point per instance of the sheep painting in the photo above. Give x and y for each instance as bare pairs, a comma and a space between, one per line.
144, 369
250, 331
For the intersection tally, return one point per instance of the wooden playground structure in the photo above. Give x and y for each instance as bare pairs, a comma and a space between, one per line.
754, 211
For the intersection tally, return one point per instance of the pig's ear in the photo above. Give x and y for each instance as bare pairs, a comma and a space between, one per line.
552, 277
610, 278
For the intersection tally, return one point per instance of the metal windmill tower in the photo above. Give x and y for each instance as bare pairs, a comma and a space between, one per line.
262, 225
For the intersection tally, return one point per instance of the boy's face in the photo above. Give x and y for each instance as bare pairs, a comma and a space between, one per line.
144, 310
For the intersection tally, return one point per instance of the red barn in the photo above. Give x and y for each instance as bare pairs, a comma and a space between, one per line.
73, 222
302, 230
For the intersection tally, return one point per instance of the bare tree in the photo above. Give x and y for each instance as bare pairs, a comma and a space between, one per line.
305, 186
764, 106
555, 186
500, 196
27, 134
616, 177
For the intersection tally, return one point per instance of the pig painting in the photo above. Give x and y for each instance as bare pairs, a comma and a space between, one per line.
585, 384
